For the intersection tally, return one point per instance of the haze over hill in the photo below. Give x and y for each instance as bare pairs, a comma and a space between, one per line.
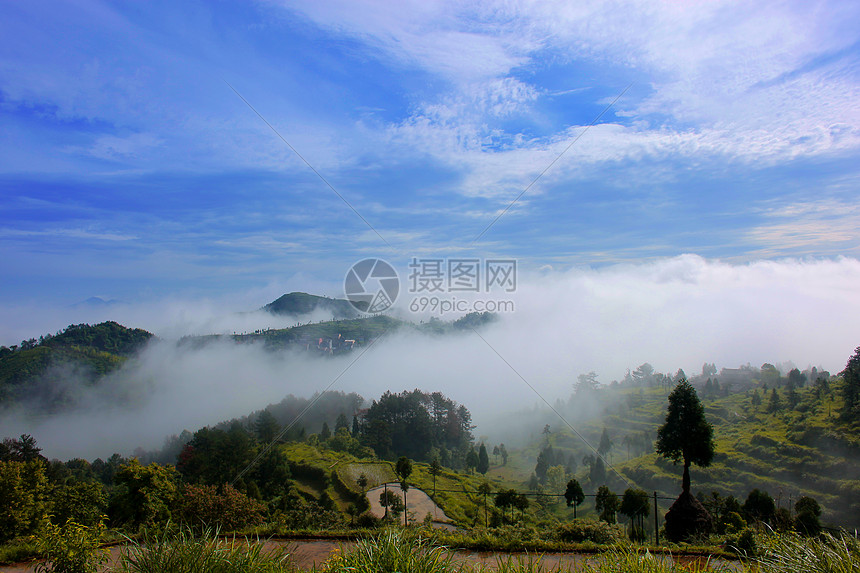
673, 313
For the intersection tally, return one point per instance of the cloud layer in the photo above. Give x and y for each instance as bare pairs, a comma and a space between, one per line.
673, 313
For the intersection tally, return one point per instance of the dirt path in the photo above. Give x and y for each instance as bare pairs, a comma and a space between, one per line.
419, 504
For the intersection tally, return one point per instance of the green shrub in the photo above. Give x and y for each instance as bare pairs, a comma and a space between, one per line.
367, 521
744, 544
203, 506
70, 548
82, 502
581, 530
309, 517
23, 489
146, 495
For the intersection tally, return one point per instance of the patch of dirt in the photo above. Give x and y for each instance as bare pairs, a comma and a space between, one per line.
418, 503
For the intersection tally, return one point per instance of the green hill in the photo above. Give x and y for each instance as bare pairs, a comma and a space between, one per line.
789, 452
300, 303
87, 351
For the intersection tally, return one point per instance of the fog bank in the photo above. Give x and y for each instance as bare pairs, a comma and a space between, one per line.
673, 313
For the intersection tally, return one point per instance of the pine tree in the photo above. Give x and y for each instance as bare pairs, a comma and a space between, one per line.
483, 460
341, 422
851, 392
472, 460
755, 400
266, 427
605, 443
775, 404
686, 436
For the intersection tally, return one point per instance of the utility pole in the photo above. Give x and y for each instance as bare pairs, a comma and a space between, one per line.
656, 522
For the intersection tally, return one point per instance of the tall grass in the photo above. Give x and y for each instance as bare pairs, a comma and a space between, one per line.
19, 550
183, 552
637, 561
391, 553
395, 551
826, 554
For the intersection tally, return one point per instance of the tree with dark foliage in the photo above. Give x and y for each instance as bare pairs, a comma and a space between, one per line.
808, 512
483, 460
635, 505
851, 392
688, 437
606, 504
573, 495
759, 506
403, 469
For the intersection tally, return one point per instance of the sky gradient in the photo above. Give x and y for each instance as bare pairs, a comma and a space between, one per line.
130, 169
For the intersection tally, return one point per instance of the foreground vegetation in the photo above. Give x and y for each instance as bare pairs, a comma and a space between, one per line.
394, 550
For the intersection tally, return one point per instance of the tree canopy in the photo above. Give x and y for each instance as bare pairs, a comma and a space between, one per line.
851, 376
412, 423
686, 436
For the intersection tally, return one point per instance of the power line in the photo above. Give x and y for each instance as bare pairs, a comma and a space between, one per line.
301, 414
557, 413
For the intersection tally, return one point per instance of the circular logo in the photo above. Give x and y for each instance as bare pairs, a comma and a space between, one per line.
371, 286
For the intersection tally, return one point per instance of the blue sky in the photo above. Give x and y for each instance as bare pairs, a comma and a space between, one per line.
130, 169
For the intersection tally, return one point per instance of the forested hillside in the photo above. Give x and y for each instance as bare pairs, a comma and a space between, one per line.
35, 369
780, 434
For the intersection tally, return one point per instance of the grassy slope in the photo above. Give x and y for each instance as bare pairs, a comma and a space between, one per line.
461, 502
790, 453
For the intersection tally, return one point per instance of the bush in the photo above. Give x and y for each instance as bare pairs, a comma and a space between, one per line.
733, 523
82, 502
581, 530
146, 494
204, 506
23, 488
744, 544
367, 521
17, 551
70, 548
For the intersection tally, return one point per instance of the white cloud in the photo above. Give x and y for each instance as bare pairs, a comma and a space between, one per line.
131, 146
750, 83
809, 228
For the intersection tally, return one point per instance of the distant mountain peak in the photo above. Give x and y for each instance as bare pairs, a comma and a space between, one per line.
302, 303
96, 301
